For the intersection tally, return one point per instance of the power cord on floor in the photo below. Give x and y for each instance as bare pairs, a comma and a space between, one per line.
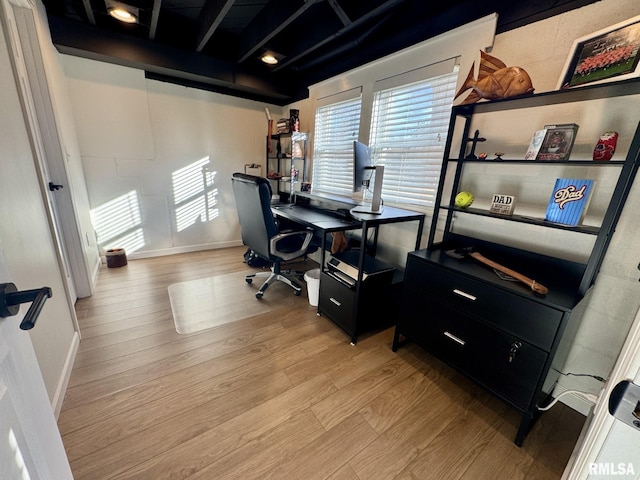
597, 377
587, 396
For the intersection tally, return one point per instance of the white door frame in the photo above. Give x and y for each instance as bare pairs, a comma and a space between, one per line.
38, 112
51, 152
601, 422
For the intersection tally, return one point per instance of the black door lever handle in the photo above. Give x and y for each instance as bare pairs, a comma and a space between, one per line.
11, 298
53, 187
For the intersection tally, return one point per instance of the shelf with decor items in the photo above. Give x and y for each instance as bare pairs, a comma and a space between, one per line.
286, 152
512, 335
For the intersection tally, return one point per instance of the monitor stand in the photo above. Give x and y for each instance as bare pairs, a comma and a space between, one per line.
375, 207
367, 208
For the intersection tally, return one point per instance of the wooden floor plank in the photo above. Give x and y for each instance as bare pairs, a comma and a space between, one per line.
214, 440
278, 395
321, 458
258, 456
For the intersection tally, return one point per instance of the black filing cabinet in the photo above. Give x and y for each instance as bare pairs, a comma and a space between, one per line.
356, 308
497, 333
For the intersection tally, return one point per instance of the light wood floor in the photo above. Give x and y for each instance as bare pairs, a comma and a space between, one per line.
278, 396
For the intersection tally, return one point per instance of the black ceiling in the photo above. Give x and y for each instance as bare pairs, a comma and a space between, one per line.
216, 44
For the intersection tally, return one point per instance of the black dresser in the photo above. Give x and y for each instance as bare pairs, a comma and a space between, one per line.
497, 332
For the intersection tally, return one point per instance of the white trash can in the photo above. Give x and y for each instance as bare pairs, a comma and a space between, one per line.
312, 277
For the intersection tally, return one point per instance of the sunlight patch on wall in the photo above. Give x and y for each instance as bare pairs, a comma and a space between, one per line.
195, 195
118, 223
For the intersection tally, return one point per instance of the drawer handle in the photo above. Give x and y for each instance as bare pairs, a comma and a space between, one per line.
333, 300
454, 338
464, 294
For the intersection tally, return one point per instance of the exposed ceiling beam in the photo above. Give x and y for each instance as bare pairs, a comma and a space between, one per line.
268, 24
89, 11
155, 13
212, 13
344, 18
81, 40
307, 44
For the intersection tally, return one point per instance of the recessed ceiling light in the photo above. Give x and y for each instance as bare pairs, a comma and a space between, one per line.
269, 59
123, 15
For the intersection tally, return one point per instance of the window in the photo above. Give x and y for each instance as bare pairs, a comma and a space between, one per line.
336, 127
409, 127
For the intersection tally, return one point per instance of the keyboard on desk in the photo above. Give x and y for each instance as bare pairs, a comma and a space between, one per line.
315, 214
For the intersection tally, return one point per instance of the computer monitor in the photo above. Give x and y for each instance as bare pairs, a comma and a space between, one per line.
361, 160
363, 170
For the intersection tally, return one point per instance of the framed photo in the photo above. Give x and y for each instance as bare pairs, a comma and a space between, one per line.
558, 142
607, 55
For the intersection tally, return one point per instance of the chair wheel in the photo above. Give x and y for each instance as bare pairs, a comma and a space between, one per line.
249, 280
259, 295
296, 293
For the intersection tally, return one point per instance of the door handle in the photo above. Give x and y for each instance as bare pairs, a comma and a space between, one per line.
53, 187
11, 298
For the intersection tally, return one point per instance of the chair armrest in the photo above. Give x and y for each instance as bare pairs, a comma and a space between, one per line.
308, 235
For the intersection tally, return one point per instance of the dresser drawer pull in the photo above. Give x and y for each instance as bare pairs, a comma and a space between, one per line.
463, 294
336, 302
454, 338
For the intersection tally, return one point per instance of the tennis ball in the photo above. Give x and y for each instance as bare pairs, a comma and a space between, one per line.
464, 199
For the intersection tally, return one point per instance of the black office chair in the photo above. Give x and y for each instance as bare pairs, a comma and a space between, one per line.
261, 234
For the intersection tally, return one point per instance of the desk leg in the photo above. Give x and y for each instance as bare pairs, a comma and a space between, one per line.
419, 236
323, 247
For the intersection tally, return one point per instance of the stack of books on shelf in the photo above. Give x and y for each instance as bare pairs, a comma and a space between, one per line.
283, 126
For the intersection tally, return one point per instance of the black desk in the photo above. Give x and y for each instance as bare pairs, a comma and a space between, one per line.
324, 222
321, 222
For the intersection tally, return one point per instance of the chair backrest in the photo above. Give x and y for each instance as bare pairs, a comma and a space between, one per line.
253, 202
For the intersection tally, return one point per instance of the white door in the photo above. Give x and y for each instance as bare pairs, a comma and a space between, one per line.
23, 43
610, 449
30, 443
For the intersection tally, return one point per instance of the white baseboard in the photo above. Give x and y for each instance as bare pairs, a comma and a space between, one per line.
58, 396
176, 250
94, 274
576, 402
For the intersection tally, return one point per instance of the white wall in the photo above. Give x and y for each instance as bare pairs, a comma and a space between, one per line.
135, 134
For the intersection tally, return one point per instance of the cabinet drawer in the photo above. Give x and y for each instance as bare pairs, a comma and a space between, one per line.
336, 302
524, 318
478, 350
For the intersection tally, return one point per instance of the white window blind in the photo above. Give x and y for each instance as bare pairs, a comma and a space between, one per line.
408, 132
336, 127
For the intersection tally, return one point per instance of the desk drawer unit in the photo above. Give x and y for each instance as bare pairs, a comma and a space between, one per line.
337, 302
503, 341
533, 322
503, 363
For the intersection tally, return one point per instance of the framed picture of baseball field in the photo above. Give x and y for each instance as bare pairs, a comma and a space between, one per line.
610, 54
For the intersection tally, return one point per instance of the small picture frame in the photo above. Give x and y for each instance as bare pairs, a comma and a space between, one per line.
610, 54
558, 142
502, 204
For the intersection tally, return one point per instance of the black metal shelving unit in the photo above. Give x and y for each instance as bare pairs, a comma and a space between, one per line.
505, 336
628, 169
